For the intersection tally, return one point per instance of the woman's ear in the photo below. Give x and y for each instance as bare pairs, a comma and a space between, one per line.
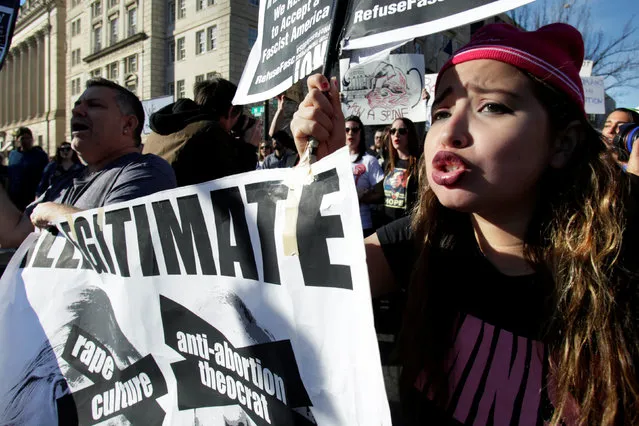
565, 143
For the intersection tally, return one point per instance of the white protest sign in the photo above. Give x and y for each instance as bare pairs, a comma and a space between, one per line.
586, 68
375, 23
380, 91
152, 105
594, 95
239, 301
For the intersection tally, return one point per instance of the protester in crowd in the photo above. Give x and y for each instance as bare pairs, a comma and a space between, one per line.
379, 149
265, 149
106, 126
4, 175
283, 152
66, 160
366, 170
400, 181
617, 118
194, 135
282, 118
26, 164
523, 300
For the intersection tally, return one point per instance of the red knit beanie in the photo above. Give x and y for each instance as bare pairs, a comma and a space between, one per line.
554, 53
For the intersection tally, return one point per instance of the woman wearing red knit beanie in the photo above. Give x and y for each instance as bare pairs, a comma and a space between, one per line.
522, 306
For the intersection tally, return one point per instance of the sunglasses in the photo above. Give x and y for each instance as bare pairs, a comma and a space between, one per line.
352, 129
65, 149
400, 130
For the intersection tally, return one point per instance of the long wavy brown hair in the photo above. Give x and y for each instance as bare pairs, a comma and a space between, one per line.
574, 242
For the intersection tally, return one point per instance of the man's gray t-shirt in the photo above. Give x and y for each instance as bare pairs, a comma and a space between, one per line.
131, 176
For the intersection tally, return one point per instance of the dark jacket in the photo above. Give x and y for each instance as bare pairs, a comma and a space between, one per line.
195, 145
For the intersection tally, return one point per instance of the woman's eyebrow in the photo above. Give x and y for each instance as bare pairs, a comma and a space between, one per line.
441, 97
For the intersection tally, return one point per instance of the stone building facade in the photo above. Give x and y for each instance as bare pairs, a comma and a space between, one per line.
33, 77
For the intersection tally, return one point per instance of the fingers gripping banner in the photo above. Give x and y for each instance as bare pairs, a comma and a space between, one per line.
239, 301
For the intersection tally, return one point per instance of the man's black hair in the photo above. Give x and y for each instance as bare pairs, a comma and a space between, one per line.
127, 101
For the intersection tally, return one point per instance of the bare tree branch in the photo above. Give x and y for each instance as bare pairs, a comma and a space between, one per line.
615, 55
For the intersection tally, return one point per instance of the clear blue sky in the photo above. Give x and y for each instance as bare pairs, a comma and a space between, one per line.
611, 16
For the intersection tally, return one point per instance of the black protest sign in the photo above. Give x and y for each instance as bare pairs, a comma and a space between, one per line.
292, 43
8, 13
263, 379
131, 392
376, 22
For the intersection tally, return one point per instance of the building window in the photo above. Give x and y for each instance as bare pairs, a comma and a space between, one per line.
96, 9
254, 2
211, 75
171, 51
75, 27
200, 43
252, 36
75, 86
171, 11
96, 73
181, 9
210, 2
113, 29
112, 71
180, 89
131, 64
170, 89
97, 39
132, 19
180, 49
211, 36
75, 57
75, 3
199, 5
199, 78
113, 3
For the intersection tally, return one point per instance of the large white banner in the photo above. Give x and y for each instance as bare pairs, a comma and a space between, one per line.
380, 91
239, 301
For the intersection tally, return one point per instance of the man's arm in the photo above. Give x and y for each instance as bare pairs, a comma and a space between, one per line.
279, 114
14, 226
45, 214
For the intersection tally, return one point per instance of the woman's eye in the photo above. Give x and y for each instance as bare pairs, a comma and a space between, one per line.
495, 108
438, 115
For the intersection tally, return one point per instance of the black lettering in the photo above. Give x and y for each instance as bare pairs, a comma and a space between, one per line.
90, 251
227, 205
312, 231
266, 195
148, 261
99, 236
117, 218
66, 260
42, 259
191, 227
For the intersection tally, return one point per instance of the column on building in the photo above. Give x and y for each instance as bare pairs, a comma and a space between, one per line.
40, 89
33, 76
14, 85
4, 89
26, 77
19, 87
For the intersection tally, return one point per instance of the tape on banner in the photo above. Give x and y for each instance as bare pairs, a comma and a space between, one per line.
302, 175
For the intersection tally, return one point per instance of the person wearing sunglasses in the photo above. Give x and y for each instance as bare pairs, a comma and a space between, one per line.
66, 161
400, 180
265, 149
366, 170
